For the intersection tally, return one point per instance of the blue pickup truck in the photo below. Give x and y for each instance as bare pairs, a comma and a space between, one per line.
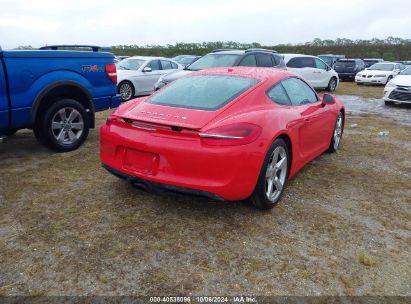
55, 93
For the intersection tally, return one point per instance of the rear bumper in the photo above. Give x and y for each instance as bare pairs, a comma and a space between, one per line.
228, 173
346, 75
160, 188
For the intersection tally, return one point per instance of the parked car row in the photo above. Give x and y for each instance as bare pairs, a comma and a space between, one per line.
379, 73
134, 79
226, 58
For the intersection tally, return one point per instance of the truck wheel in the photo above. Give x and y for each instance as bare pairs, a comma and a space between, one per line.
64, 126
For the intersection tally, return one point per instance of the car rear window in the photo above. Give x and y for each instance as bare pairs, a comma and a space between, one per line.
203, 92
345, 63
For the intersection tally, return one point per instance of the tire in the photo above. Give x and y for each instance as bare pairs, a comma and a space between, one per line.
126, 90
332, 84
389, 79
263, 198
64, 126
337, 133
8, 132
388, 103
358, 83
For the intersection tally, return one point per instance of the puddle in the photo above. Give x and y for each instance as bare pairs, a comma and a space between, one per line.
356, 104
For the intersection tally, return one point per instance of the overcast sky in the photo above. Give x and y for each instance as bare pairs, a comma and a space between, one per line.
101, 22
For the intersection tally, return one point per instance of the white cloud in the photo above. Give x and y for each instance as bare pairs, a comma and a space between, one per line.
107, 22
29, 24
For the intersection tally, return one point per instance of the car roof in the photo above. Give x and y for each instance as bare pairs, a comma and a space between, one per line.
296, 55
287, 57
387, 62
249, 72
148, 58
230, 52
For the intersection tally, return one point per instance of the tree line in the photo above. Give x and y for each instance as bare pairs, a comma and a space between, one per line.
391, 48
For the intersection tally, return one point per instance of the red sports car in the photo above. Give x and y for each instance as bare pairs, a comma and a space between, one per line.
226, 133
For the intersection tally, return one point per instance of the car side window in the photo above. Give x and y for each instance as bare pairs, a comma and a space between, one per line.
295, 63
301, 62
173, 65
299, 92
319, 64
154, 65
166, 65
264, 60
279, 95
248, 60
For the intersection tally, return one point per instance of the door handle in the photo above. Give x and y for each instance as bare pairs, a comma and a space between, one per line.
306, 119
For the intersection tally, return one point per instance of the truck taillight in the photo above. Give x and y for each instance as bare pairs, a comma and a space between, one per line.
231, 135
111, 72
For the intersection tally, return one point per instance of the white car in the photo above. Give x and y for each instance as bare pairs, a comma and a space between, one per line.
137, 75
378, 73
398, 89
314, 70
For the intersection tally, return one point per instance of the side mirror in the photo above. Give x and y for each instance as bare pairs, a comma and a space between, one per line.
147, 69
328, 99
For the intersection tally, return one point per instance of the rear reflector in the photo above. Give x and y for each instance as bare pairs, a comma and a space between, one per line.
111, 72
231, 135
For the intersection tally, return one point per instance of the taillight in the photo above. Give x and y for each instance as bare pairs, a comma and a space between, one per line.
112, 118
231, 135
111, 71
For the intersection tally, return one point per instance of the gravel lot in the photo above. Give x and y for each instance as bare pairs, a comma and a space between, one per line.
67, 227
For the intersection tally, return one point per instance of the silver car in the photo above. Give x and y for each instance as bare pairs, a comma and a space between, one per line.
137, 75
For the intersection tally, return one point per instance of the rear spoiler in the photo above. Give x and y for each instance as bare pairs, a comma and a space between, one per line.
94, 48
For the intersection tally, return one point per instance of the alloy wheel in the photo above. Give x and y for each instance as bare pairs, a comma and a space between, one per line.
67, 125
276, 173
126, 91
338, 131
333, 84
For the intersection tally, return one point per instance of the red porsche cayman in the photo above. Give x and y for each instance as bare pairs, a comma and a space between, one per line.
226, 133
